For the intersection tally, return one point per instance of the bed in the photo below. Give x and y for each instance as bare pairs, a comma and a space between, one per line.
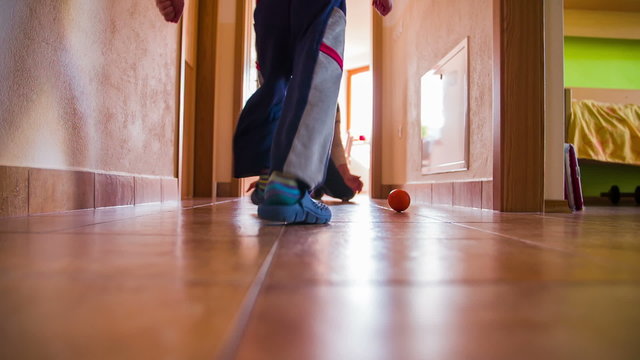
604, 127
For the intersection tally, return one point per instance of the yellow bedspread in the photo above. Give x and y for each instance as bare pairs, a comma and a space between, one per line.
605, 132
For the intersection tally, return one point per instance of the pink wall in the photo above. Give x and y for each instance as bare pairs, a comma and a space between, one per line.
87, 85
416, 35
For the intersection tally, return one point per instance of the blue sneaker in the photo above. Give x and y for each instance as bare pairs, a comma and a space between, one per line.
257, 196
305, 211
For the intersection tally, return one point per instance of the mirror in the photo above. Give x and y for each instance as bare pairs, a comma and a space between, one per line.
444, 114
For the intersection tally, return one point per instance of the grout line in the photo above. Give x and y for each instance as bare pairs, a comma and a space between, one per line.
571, 252
528, 242
95, 190
177, 208
212, 204
392, 283
525, 241
28, 192
134, 191
423, 216
234, 337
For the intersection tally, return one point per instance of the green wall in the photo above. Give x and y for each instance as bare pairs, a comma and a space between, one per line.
602, 63
611, 64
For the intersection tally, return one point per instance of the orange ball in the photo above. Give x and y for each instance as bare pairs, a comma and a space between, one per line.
399, 200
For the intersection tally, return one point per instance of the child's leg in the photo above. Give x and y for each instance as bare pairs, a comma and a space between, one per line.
253, 138
256, 127
303, 137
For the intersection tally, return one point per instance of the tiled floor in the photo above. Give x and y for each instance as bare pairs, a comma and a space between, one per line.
206, 281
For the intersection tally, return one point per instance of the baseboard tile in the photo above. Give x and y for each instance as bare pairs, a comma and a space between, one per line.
557, 206
30, 191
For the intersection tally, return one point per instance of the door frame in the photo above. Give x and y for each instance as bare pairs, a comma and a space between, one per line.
243, 43
350, 74
518, 106
196, 168
375, 180
187, 60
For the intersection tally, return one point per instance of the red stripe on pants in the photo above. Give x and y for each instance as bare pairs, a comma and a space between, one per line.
331, 52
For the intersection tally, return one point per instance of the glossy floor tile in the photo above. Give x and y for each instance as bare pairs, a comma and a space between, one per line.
472, 321
209, 280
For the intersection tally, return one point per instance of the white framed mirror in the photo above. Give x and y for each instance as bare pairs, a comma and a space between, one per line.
444, 113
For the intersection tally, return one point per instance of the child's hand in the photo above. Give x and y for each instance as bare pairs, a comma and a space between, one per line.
383, 6
354, 183
171, 10
351, 180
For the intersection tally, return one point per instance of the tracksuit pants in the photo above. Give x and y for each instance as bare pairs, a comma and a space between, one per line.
287, 124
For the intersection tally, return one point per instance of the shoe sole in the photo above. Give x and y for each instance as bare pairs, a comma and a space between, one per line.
290, 214
256, 199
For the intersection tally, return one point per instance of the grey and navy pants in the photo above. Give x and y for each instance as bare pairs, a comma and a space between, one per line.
287, 125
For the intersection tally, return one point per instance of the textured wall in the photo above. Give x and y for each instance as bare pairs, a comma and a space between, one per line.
417, 34
87, 84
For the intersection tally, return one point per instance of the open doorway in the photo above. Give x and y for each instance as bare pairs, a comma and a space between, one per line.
358, 127
196, 126
356, 92
602, 58
249, 81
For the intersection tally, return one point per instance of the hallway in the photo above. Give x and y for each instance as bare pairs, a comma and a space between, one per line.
203, 280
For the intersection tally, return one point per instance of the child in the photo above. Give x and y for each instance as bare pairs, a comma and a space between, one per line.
285, 129
339, 183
